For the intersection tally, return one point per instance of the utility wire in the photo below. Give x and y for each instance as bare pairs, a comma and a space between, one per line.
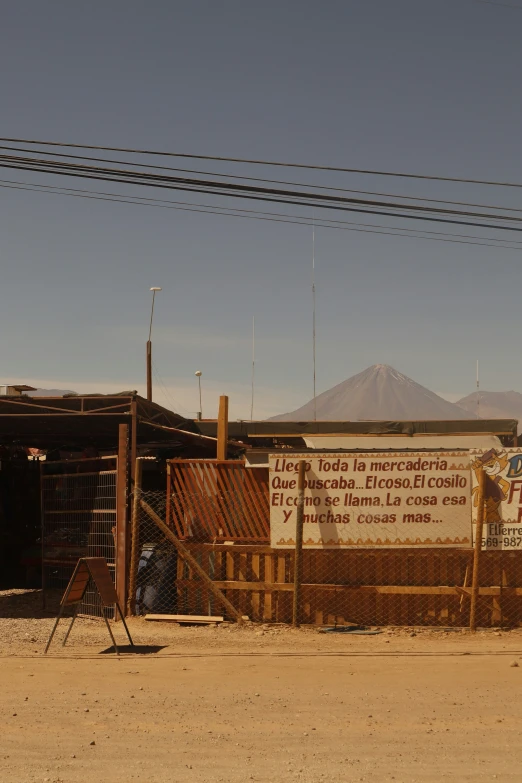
299, 220
301, 198
253, 161
259, 179
126, 198
236, 188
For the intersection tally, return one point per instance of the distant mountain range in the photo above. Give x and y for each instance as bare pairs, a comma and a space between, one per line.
382, 393
51, 392
378, 393
494, 405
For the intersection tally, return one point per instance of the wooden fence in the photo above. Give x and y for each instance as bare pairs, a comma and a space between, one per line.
211, 500
427, 587
220, 510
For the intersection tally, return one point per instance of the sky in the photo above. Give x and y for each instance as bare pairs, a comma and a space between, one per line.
419, 86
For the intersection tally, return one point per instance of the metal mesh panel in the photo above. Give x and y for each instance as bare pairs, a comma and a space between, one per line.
78, 520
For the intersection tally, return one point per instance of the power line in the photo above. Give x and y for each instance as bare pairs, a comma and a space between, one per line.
58, 167
253, 161
274, 217
260, 179
157, 202
300, 198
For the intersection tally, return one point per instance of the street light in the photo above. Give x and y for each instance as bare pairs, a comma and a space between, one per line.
149, 347
198, 375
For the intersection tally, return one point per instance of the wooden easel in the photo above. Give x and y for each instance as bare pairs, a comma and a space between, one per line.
87, 568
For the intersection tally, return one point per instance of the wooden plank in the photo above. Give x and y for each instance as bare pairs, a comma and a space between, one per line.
401, 590
475, 580
133, 437
122, 539
257, 549
101, 576
186, 618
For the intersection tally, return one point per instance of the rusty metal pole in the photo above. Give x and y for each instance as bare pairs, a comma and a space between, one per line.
149, 346
476, 554
135, 535
149, 370
298, 556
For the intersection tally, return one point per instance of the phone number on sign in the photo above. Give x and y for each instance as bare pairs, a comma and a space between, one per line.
515, 542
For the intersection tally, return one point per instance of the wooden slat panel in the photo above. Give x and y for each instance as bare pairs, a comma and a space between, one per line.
372, 586
238, 509
227, 500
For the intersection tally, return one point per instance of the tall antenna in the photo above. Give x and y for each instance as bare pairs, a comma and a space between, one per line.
253, 365
478, 391
313, 311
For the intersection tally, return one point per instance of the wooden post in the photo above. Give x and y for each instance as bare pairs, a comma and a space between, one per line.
298, 557
134, 437
222, 428
121, 514
192, 562
135, 536
478, 549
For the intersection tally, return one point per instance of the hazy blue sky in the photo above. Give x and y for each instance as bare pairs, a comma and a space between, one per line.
407, 85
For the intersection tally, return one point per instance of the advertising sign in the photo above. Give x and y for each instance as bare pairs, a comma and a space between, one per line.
410, 499
503, 497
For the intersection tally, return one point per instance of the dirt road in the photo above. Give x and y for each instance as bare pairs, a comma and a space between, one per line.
259, 705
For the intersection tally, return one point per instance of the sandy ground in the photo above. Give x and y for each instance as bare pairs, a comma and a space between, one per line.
266, 704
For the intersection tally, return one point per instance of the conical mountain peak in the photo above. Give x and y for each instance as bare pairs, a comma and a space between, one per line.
378, 393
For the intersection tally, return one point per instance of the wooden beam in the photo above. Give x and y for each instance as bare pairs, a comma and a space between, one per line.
193, 563
298, 556
478, 548
222, 428
122, 561
274, 587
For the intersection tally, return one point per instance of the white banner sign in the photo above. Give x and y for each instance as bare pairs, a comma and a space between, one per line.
503, 495
373, 500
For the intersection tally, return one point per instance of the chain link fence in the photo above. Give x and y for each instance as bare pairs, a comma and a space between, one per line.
179, 569
78, 518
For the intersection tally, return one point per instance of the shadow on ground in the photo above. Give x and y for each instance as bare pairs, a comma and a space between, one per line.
137, 649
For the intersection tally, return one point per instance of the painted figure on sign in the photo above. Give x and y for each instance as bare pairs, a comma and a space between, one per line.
494, 463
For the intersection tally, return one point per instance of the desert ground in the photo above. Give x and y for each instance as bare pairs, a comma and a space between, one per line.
259, 703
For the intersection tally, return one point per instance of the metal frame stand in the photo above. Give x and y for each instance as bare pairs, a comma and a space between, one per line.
77, 601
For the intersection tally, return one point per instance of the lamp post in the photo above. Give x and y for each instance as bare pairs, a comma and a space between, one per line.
149, 347
198, 375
